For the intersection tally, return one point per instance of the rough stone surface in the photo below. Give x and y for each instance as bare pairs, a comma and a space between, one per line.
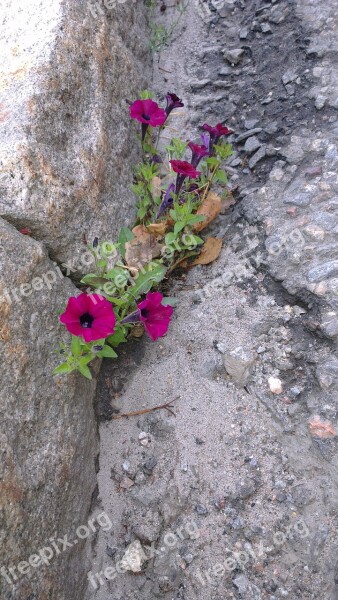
66, 155
48, 430
67, 148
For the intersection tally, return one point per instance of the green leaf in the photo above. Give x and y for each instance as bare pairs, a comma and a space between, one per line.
119, 337
221, 176
107, 352
84, 370
212, 161
114, 300
85, 360
194, 240
142, 211
223, 151
102, 263
196, 219
146, 94
151, 273
63, 368
125, 235
178, 227
117, 272
94, 280
170, 301
76, 346
170, 238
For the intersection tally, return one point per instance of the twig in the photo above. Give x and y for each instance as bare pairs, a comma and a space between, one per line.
168, 406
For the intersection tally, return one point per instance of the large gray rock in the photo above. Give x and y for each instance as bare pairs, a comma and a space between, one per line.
48, 432
68, 143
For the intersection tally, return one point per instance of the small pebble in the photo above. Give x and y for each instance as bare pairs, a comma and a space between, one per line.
144, 438
201, 510
275, 385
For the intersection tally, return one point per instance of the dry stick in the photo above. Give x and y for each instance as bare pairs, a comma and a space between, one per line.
136, 413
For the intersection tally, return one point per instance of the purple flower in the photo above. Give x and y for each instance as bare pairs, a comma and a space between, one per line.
183, 169
173, 101
153, 314
90, 316
215, 134
167, 200
148, 113
198, 152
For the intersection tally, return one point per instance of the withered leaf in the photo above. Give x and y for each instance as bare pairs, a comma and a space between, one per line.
142, 248
156, 187
137, 331
210, 209
209, 252
157, 229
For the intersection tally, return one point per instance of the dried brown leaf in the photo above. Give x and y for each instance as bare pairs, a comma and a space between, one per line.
210, 209
210, 251
321, 428
157, 229
137, 331
156, 187
142, 248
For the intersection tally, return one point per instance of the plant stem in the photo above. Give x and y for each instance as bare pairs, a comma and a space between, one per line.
168, 406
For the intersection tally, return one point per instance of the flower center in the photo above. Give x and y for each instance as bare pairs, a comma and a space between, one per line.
146, 117
86, 320
144, 312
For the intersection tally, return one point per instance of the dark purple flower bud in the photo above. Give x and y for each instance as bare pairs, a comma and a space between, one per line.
173, 101
96, 242
193, 187
167, 200
156, 159
134, 317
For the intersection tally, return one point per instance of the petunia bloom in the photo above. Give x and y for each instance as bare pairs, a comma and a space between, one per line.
173, 101
198, 152
215, 133
90, 316
183, 169
153, 314
148, 113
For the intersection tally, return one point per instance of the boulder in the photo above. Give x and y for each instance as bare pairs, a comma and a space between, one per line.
68, 145
48, 436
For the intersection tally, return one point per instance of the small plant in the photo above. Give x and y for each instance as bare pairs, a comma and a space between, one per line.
160, 35
174, 204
